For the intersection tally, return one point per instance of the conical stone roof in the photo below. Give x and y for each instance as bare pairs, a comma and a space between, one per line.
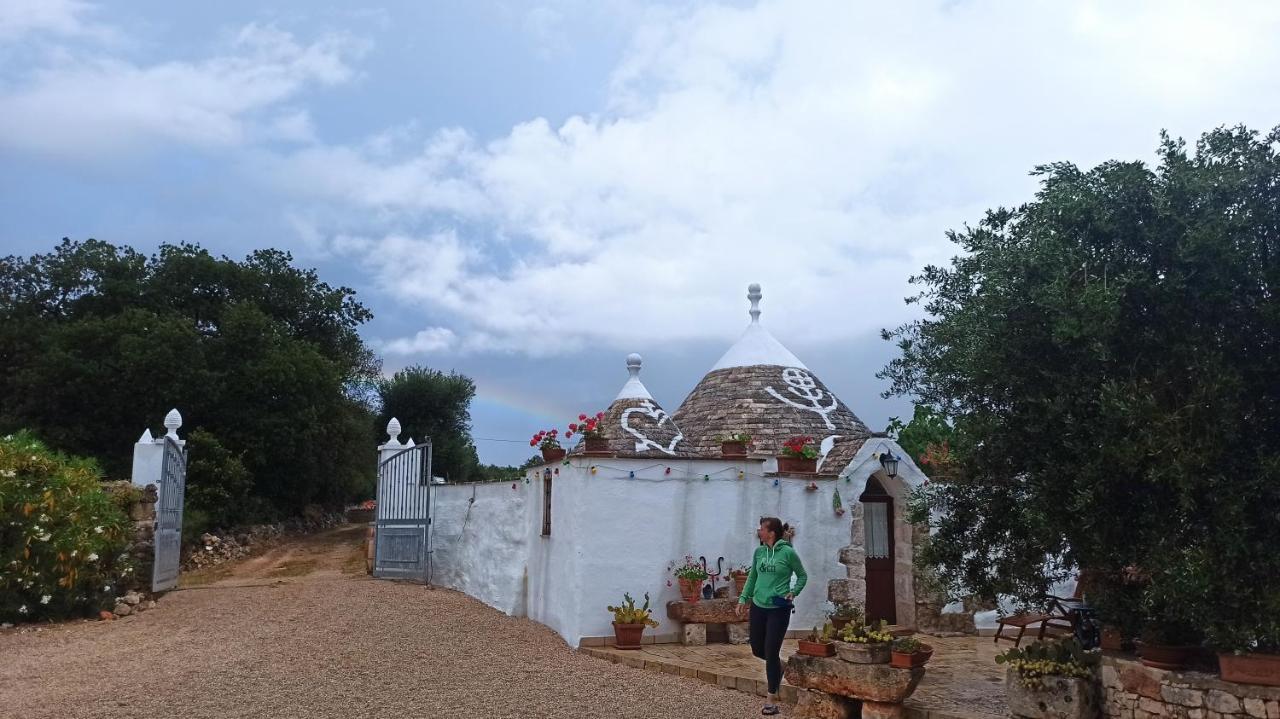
759, 387
635, 425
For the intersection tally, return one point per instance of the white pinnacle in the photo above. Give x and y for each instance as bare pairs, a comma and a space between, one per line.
634, 388
757, 346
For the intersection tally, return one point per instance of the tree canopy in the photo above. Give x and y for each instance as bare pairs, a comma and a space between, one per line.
1109, 356
262, 358
431, 403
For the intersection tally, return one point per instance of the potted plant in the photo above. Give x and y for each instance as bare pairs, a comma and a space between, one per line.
734, 446
817, 643
591, 428
629, 622
909, 653
739, 575
1249, 655
690, 575
1051, 678
798, 456
1168, 644
547, 441
844, 613
863, 644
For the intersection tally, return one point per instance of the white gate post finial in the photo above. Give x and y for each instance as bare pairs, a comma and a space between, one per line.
172, 422
393, 431
754, 294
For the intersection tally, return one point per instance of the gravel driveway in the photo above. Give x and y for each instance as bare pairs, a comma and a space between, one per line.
302, 632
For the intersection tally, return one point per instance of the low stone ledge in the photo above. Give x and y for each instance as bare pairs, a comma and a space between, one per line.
707, 611
1132, 690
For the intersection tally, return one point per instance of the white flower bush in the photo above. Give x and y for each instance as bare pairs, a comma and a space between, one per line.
61, 535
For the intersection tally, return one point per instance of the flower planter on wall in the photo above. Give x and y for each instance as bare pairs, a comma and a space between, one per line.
816, 649
595, 446
796, 465
1159, 656
1250, 668
733, 450
552, 454
919, 658
1058, 698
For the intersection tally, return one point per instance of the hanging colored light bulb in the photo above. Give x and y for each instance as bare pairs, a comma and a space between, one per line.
593, 469
631, 474
557, 471
775, 482
741, 474
706, 478
668, 471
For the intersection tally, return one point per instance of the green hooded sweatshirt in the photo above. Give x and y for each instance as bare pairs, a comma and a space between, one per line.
770, 575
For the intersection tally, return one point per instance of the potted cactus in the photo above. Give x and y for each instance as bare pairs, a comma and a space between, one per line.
629, 622
817, 643
909, 653
863, 644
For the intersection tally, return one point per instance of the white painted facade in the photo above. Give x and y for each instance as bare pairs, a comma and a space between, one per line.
613, 533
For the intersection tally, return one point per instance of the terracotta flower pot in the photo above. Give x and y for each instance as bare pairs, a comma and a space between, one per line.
733, 449
1159, 656
552, 454
919, 658
839, 623
815, 649
796, 465
1112, 639
1251, 668
627, 636
739, 584
690, 590
595, 446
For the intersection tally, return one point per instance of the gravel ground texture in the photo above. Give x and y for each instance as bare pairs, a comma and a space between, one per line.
302, 632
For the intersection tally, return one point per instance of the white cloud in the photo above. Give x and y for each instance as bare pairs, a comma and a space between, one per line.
428, 341
94, 105
819, 148
58, 17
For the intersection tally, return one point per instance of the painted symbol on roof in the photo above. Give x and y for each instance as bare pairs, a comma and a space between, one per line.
660, 417
802, 384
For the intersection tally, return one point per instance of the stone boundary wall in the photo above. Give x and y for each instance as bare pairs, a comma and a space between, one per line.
211, 549
1132, 690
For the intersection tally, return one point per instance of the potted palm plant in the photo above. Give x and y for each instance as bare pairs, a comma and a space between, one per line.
909, 653
591, 428
629, 622
690, 576
817, 643
799, 456
547, 441
734, 446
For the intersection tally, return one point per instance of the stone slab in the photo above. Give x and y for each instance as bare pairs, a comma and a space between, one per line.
707, 611
870, 682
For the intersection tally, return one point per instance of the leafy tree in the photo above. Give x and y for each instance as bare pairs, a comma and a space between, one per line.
1109, 355
263, 359
927, 429
430, 403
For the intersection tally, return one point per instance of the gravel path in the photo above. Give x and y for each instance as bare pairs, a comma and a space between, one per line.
302, 632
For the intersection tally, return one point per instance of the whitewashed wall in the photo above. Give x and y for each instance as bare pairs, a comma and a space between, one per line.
612, 534
483, 555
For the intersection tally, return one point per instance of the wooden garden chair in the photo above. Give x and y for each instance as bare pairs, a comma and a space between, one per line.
1057, 615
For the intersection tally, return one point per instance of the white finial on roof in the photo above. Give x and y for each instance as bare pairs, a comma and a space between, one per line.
757, 346
634, 388
753, 294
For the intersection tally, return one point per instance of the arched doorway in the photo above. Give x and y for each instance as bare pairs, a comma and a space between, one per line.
877, 515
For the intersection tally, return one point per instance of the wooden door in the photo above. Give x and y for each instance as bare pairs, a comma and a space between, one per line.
877, 517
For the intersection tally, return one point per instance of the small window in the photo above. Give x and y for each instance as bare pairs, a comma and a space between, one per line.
546, 503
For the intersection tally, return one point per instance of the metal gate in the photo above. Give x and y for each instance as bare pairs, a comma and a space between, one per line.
168, 533
401, 548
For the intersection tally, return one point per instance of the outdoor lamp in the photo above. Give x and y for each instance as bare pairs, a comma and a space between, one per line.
889, 462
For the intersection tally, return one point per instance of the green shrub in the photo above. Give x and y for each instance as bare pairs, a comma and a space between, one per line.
62, 538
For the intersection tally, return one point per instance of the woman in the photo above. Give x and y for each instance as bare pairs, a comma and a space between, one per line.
767, 598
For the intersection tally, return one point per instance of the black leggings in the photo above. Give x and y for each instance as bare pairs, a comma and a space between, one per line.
768, 629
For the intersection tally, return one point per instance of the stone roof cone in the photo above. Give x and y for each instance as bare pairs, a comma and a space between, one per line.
761, 388
635, 425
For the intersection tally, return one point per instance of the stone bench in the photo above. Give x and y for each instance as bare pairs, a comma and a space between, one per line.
836, 687
695, 616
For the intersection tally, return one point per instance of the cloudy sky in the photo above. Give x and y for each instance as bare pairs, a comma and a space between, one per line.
526, 192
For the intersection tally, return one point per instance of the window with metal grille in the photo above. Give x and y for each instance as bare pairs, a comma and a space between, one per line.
546, 503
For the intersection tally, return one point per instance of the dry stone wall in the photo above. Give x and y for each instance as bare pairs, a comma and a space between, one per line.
1134, 691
